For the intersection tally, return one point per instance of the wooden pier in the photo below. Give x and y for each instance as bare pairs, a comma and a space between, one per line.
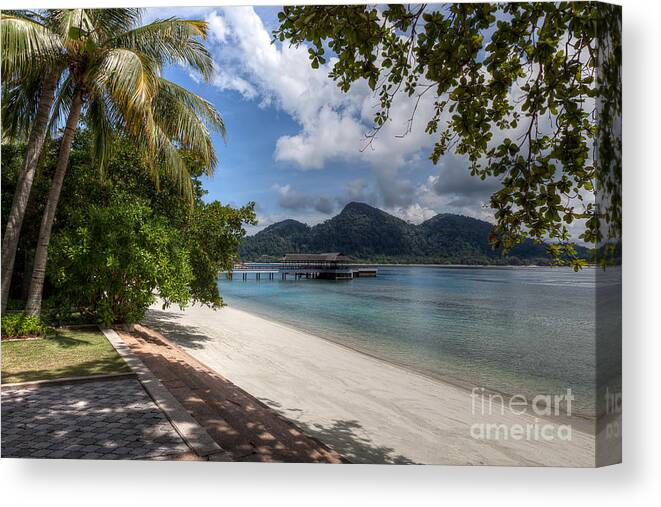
326, 266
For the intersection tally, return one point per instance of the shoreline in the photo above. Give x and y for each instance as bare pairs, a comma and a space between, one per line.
585, 423
367, 409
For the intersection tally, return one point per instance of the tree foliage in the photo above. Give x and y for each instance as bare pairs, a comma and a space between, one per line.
118, 240
112, 262
214, 231
529, 93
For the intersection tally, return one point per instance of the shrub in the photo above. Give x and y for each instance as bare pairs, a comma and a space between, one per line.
17, 325
117, 258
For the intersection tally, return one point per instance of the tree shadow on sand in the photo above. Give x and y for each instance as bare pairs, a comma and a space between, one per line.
342, 437
346, 438
167, 323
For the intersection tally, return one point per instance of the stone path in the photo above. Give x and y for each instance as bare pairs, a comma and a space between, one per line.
100, 419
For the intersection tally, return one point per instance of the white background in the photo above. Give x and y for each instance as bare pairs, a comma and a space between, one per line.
636, 482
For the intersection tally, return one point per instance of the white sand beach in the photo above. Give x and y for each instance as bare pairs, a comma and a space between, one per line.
368, 410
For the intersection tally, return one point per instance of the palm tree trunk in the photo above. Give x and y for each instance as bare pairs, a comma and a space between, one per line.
33, 306
22, 194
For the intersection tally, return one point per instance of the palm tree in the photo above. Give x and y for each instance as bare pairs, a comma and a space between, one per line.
30, 69
113, 81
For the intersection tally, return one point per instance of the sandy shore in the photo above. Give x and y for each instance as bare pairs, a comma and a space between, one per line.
366, 409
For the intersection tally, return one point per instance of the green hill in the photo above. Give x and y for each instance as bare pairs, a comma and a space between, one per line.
369, 234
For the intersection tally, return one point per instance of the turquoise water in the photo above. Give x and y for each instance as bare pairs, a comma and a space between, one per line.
514, 330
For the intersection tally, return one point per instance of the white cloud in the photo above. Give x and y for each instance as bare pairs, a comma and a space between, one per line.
415, 213
335, 135
226, 81
218, 29
332, 123
474, 204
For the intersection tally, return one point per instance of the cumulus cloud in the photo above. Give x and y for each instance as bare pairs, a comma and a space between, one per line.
226, 81
218, 29
324, 205
333, 124
281, 76
395, 191
311, 148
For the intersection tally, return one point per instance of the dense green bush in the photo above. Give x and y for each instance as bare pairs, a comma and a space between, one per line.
117, 259
16, 325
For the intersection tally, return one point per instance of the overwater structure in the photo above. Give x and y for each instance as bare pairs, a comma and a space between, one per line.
326, 266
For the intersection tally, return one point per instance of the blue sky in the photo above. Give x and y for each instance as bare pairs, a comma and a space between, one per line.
296, 143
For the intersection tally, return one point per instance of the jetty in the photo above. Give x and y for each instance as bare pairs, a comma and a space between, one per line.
297, 266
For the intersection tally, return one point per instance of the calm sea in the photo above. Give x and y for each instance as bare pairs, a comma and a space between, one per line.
514, 330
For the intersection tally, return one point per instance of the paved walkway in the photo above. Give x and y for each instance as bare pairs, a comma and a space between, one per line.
238, 422
100, 419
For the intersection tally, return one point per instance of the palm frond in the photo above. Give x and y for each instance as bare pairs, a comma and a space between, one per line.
109, 22
170, 41
163, 158
187, 119
62, 104
102, 122
26, 46
171, 162
197, 104
130, 79
35, 16
72, 24
118, 65
19, 108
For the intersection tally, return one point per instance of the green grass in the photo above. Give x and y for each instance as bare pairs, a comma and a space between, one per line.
71, 353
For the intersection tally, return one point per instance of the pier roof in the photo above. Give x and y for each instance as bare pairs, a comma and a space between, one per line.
320, 257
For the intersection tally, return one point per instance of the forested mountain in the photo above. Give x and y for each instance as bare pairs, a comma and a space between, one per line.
370, 234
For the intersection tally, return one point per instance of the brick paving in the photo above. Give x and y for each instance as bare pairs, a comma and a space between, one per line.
100, 419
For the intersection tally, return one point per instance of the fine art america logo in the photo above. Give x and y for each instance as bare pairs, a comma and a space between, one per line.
498, 417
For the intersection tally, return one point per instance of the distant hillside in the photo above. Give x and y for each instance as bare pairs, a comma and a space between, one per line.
370, 234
